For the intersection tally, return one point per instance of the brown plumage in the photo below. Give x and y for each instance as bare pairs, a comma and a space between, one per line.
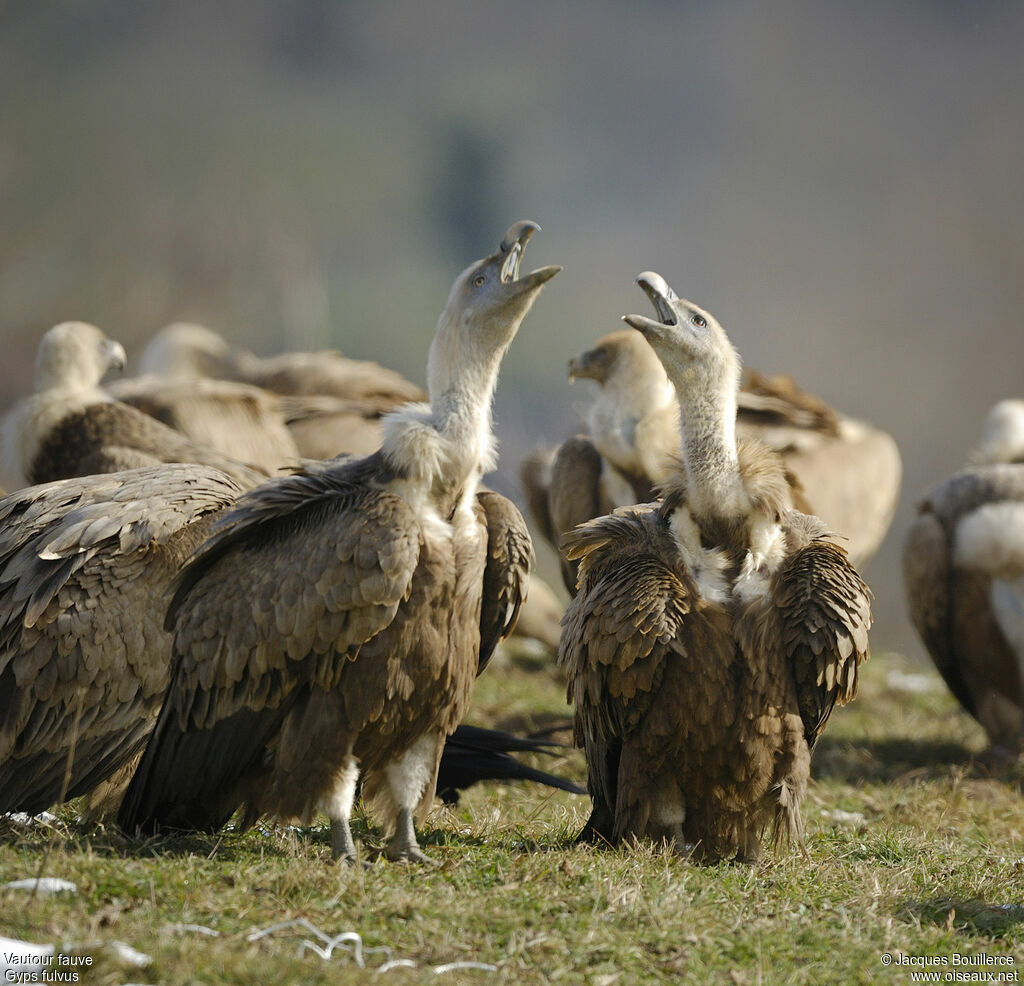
847, 471
963, 570
237, 419
713, 632
332, 404
86, 567
323, 426
842, 470
332, 626
71, 427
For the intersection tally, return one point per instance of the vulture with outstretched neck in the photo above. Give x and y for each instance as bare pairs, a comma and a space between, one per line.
330, 629
71, 427
842, 470
713, 632
86, 568
963, 571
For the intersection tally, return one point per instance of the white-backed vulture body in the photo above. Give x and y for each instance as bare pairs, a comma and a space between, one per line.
963, 571
332, 626
86, 568
71, 427
237, 419
840, 469
713, 632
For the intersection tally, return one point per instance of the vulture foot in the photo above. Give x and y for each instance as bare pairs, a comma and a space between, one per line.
343, 846
403, 845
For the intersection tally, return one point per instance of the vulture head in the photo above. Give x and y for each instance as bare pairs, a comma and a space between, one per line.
488, 302
621, 360
186, 350
1002, 438
75, 356
692, 346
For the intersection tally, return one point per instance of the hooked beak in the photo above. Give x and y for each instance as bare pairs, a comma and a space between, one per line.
117, 358
661, 297
513, 245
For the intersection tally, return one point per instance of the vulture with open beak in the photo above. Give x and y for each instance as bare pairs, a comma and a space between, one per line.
330, 629
713, 632
840, 469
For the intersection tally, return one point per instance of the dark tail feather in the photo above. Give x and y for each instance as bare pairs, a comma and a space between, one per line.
474, 754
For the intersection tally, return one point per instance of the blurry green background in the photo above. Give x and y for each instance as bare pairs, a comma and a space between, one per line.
839, 182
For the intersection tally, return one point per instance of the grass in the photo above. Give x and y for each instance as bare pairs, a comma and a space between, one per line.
912, 847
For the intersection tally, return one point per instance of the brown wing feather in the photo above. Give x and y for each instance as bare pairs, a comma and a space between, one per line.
535, 476
575, 495
85, 569
109, 437
256, 621
510, 560
824, 611
927, 581
620, 633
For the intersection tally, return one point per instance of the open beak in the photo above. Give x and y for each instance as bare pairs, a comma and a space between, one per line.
513, 246
661, 296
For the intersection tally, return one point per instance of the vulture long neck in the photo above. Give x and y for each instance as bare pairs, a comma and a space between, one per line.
708, 421
461, 386
446, 446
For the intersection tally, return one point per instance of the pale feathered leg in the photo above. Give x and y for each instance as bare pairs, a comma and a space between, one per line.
337, 806
407, 779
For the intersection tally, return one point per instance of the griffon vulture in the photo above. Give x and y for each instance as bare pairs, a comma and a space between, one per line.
331, 404
72, 427
236, 419
963, 570
713, 632
86, 567
332, 626
840, 469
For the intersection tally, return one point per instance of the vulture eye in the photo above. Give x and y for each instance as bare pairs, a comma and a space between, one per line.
699, 320
479, 280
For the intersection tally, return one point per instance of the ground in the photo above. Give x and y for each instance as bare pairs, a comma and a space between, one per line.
914, 852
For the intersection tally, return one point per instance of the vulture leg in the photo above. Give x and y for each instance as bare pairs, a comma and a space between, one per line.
337, 806
409, 778
403, 844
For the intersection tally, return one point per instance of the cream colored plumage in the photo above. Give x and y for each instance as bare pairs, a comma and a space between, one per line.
331, 404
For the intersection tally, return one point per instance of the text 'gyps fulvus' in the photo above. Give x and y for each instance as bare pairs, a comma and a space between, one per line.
712, 633
332, 626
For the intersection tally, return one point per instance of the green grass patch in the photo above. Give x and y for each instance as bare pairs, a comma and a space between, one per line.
913, 846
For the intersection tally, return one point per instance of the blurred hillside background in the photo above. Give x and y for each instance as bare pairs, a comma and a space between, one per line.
839, 182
